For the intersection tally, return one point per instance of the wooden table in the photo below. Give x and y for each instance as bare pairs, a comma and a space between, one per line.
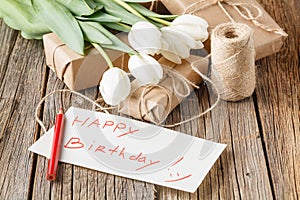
261, 161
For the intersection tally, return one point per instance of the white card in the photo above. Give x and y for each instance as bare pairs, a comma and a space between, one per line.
133, 149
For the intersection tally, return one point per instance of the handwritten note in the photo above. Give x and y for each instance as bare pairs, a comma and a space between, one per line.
133, 149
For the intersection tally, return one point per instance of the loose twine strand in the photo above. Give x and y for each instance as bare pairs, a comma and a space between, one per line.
64, 91
227, 94
205, 78
202, 4
232, 49
175, 78
96, 104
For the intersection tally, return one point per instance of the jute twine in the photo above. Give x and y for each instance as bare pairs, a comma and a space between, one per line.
252, 12
233, 61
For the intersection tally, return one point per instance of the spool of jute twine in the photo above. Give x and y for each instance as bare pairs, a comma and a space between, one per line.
233, 61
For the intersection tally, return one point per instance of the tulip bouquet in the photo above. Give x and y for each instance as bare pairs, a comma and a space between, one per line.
76, 21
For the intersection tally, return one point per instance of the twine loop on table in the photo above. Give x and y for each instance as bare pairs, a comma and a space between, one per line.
233, 61
249, 13
64, 91
175, 77
214, 86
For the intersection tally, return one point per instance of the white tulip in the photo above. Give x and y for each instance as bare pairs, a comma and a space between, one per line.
114, 86
145, 69
145, 38
176, 45
192, 25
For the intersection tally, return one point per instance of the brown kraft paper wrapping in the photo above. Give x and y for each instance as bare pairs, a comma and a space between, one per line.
160, 100
77, 71
266, 43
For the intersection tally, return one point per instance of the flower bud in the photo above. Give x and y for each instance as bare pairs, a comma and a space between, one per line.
176, 45
192, 25
145, 38
114, 86
145, 69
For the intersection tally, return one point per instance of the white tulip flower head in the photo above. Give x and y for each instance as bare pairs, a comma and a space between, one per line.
145, 69
192, 25
114, 86
144, 37
176, 45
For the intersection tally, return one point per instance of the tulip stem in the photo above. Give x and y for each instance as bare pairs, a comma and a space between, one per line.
129, 8
104, 54
161, 21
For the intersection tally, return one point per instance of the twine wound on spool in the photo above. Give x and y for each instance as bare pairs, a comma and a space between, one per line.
233, 61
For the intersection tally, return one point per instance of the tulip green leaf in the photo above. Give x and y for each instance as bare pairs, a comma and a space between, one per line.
93, 34
100, 17
20, 15
61, 21
114, 9
81, 7
117, 43
144, 11
31, 35
139, 1
117, 26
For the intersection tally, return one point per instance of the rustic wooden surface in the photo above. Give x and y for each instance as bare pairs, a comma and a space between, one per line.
261, 161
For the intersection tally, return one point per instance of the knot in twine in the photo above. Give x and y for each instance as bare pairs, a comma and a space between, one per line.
174, 86
233, 61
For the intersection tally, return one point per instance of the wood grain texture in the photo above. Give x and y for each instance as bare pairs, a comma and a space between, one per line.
241, 171
22, 70
76, 182
278, 98
261, 160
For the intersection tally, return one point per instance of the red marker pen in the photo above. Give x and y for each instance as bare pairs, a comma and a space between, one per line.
56, 146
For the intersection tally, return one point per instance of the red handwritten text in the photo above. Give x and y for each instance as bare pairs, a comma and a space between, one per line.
117, 151
120, 128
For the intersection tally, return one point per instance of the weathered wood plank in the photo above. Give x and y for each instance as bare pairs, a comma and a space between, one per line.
241, 172
7, 41
278, 98
21, 72
76, 182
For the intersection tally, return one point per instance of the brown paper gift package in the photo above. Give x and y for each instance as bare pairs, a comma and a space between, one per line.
158, 103
77, 71
266, 43
160, 100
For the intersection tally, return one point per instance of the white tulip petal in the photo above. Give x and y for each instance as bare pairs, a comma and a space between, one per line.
172, 42
156, 66
190, 19
169, 51
179, 44
164, 43
199, 45
171, 56
145, 38
114, 86
145, 69
197, 33
183, 37
192, 25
